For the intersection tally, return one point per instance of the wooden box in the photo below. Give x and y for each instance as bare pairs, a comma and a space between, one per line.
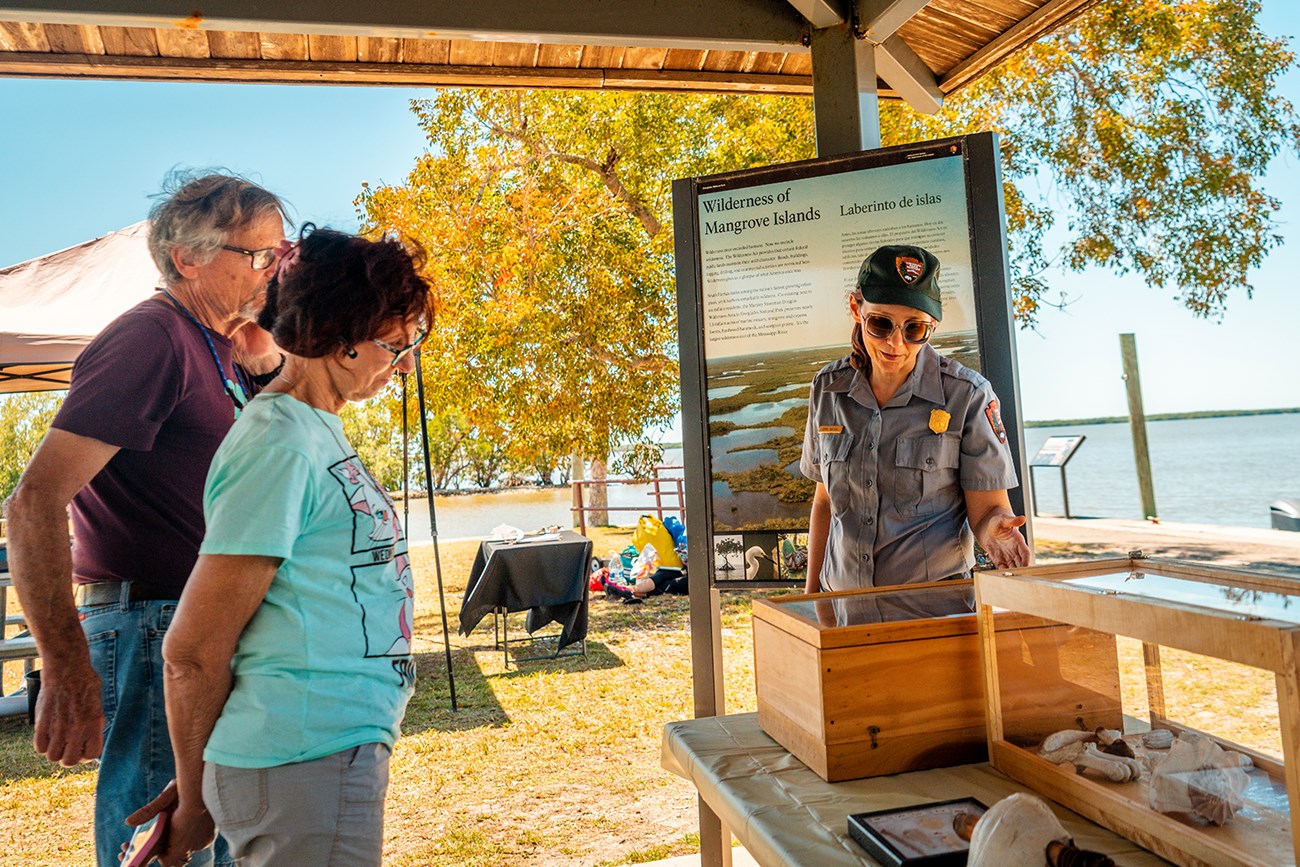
1201, 652
864, 683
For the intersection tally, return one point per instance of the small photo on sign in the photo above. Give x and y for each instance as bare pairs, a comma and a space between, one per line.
727, 551
748, 557
792, 565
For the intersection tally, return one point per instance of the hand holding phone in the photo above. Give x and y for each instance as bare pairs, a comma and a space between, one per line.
146, 842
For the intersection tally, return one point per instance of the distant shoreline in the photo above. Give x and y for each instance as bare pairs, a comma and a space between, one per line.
1164, 416
1121, 419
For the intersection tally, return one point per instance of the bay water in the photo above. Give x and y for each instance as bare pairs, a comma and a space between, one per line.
1224, 470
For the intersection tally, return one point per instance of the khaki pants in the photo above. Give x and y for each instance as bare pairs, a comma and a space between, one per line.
329, 811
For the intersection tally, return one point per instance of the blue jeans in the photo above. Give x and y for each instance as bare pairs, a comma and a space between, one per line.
137, 762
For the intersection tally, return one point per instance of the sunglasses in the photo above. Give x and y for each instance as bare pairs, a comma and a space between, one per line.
259, 259
400, 352
882, 328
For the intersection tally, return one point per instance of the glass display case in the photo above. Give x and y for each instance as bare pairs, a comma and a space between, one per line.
864, 683
1199, 767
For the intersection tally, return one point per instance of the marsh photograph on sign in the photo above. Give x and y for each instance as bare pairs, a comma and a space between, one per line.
778, 258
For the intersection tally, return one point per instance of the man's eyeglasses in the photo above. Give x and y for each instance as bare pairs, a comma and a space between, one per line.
259, 259
882, 328
400, 352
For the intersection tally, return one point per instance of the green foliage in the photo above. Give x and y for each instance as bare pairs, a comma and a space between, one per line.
24, 419
374, 429
484, 461
549, 219
1149, 124
638, 461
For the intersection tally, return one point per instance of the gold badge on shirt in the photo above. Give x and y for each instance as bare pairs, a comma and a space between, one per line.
830, 428
939, 420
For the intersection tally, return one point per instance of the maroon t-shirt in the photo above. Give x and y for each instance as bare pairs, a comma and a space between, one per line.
148, 385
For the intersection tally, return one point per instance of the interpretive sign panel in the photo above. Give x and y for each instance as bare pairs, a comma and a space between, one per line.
1056, 451
766, 259
778, 260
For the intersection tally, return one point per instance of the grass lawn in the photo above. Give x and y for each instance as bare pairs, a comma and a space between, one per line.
557, 762
546, 763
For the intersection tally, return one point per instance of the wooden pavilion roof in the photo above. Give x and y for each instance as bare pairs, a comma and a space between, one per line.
674, 45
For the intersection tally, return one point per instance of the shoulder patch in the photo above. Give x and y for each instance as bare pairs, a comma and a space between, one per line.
995, 420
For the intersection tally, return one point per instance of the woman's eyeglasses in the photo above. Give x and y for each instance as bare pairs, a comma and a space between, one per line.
882, 328
400, 352
259, 259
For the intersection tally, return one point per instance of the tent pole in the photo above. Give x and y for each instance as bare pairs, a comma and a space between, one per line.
406, 457
433, 521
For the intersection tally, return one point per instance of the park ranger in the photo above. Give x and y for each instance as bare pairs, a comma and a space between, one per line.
907, 447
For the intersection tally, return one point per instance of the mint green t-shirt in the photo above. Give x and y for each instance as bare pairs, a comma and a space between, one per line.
325, 663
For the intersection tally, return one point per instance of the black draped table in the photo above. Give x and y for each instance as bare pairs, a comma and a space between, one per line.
548, 579
784, 814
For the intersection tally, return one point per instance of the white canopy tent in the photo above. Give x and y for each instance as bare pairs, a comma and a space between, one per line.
51, 306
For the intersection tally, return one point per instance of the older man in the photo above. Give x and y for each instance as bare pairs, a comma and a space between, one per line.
151, 399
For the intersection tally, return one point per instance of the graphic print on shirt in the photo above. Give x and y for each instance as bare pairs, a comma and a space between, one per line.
386, 605
382, 583
374, 518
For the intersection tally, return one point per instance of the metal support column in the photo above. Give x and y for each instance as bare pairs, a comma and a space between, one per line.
848, 120
844, 91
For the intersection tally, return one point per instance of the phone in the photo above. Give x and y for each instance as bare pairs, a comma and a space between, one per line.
146, 842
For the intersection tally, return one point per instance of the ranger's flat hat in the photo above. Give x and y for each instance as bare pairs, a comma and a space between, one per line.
902, 274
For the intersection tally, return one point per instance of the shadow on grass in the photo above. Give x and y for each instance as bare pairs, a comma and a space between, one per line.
598, 657
430, 706
665, 613
18, 759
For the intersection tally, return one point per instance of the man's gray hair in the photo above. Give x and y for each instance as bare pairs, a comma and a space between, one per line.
199, 212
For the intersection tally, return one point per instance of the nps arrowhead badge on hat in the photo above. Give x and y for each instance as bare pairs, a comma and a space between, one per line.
909, 268
902, 274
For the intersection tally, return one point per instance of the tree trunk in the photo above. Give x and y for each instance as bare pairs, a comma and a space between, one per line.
598, 494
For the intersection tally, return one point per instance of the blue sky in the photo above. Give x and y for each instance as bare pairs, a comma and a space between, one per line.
82, 158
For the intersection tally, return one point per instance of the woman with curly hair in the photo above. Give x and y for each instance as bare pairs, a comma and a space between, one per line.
288, 665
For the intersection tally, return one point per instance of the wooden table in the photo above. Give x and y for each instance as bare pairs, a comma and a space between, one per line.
785, 815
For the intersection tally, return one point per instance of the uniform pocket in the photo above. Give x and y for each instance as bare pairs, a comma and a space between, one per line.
926, 473
833, 449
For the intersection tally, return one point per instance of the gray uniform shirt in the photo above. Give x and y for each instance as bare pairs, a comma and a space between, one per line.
895, 474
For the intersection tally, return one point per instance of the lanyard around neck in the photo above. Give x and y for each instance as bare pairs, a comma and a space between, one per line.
236, 391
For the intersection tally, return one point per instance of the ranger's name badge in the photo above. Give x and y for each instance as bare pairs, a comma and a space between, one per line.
830, 428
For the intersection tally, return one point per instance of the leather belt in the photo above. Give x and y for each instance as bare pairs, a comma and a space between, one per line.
118, 592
